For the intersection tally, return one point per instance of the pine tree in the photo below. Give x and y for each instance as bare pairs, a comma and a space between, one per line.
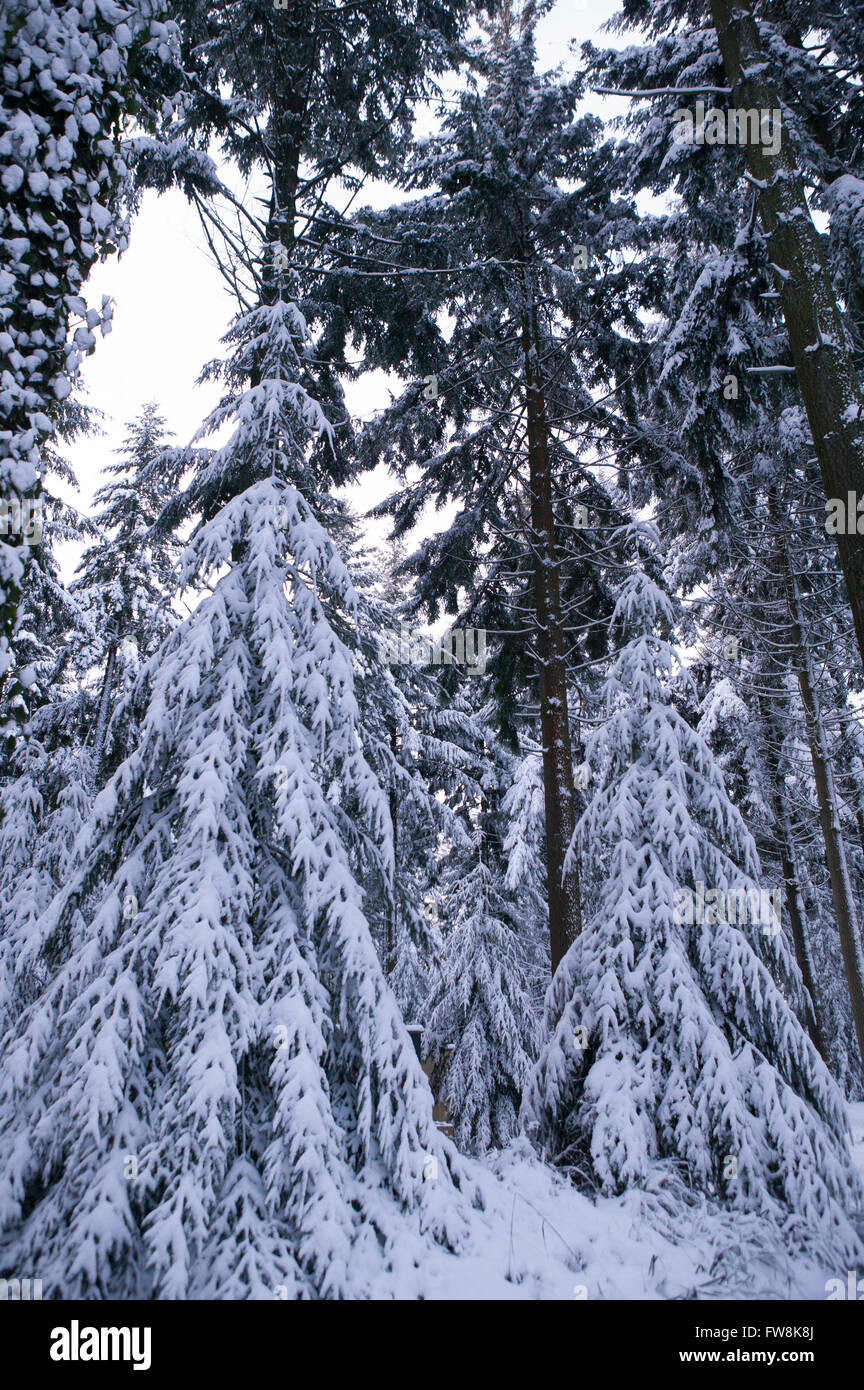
242, 1006
226, 1101
672, 1031
126, 580
530, 272
481, 1027
482, 1016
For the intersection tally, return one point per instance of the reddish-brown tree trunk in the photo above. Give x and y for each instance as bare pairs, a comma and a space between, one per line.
563, 883
791, 885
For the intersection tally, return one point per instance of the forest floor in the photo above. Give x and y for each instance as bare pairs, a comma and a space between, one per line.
541, 1239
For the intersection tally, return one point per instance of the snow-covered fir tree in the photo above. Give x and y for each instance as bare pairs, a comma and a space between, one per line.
215, 910
126, 580
45, 787
480, 1024
522, 851
672, 1031
482, 1021
420, 742
48, 622
241, 1113
512, 252
249, 830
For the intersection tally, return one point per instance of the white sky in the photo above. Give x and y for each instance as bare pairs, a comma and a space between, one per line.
171, 306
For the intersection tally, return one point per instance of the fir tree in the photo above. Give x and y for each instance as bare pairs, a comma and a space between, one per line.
672, 1032
482, 1017
729, 41
126, 580
226, 1099
481, 1027
242, 1006
530, 271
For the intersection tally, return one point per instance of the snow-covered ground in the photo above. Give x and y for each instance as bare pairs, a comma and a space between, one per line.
541, 1239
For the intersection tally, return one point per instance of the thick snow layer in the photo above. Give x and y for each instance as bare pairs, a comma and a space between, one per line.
539, 1238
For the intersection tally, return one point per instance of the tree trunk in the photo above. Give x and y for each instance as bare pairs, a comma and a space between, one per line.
562, 887
791, 885
102, 715
392, 910
829, 812
826, 376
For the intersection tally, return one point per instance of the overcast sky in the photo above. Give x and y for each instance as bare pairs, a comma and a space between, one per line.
171, 307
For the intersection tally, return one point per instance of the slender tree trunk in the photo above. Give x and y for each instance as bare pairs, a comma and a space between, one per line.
826, 375
392, 912
829, 812
791, 885
849, 757
562, 887
835, 853
102, 716
859, 817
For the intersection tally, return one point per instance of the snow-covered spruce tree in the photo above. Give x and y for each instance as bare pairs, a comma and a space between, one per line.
742, 54
420, 744
674, 1038
372, 1107
245, 1052
510, 305
42, 809
749, 758
48, 623
125, 581
725, 380
213, 1062
481, 1024
787, 602
45, 790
